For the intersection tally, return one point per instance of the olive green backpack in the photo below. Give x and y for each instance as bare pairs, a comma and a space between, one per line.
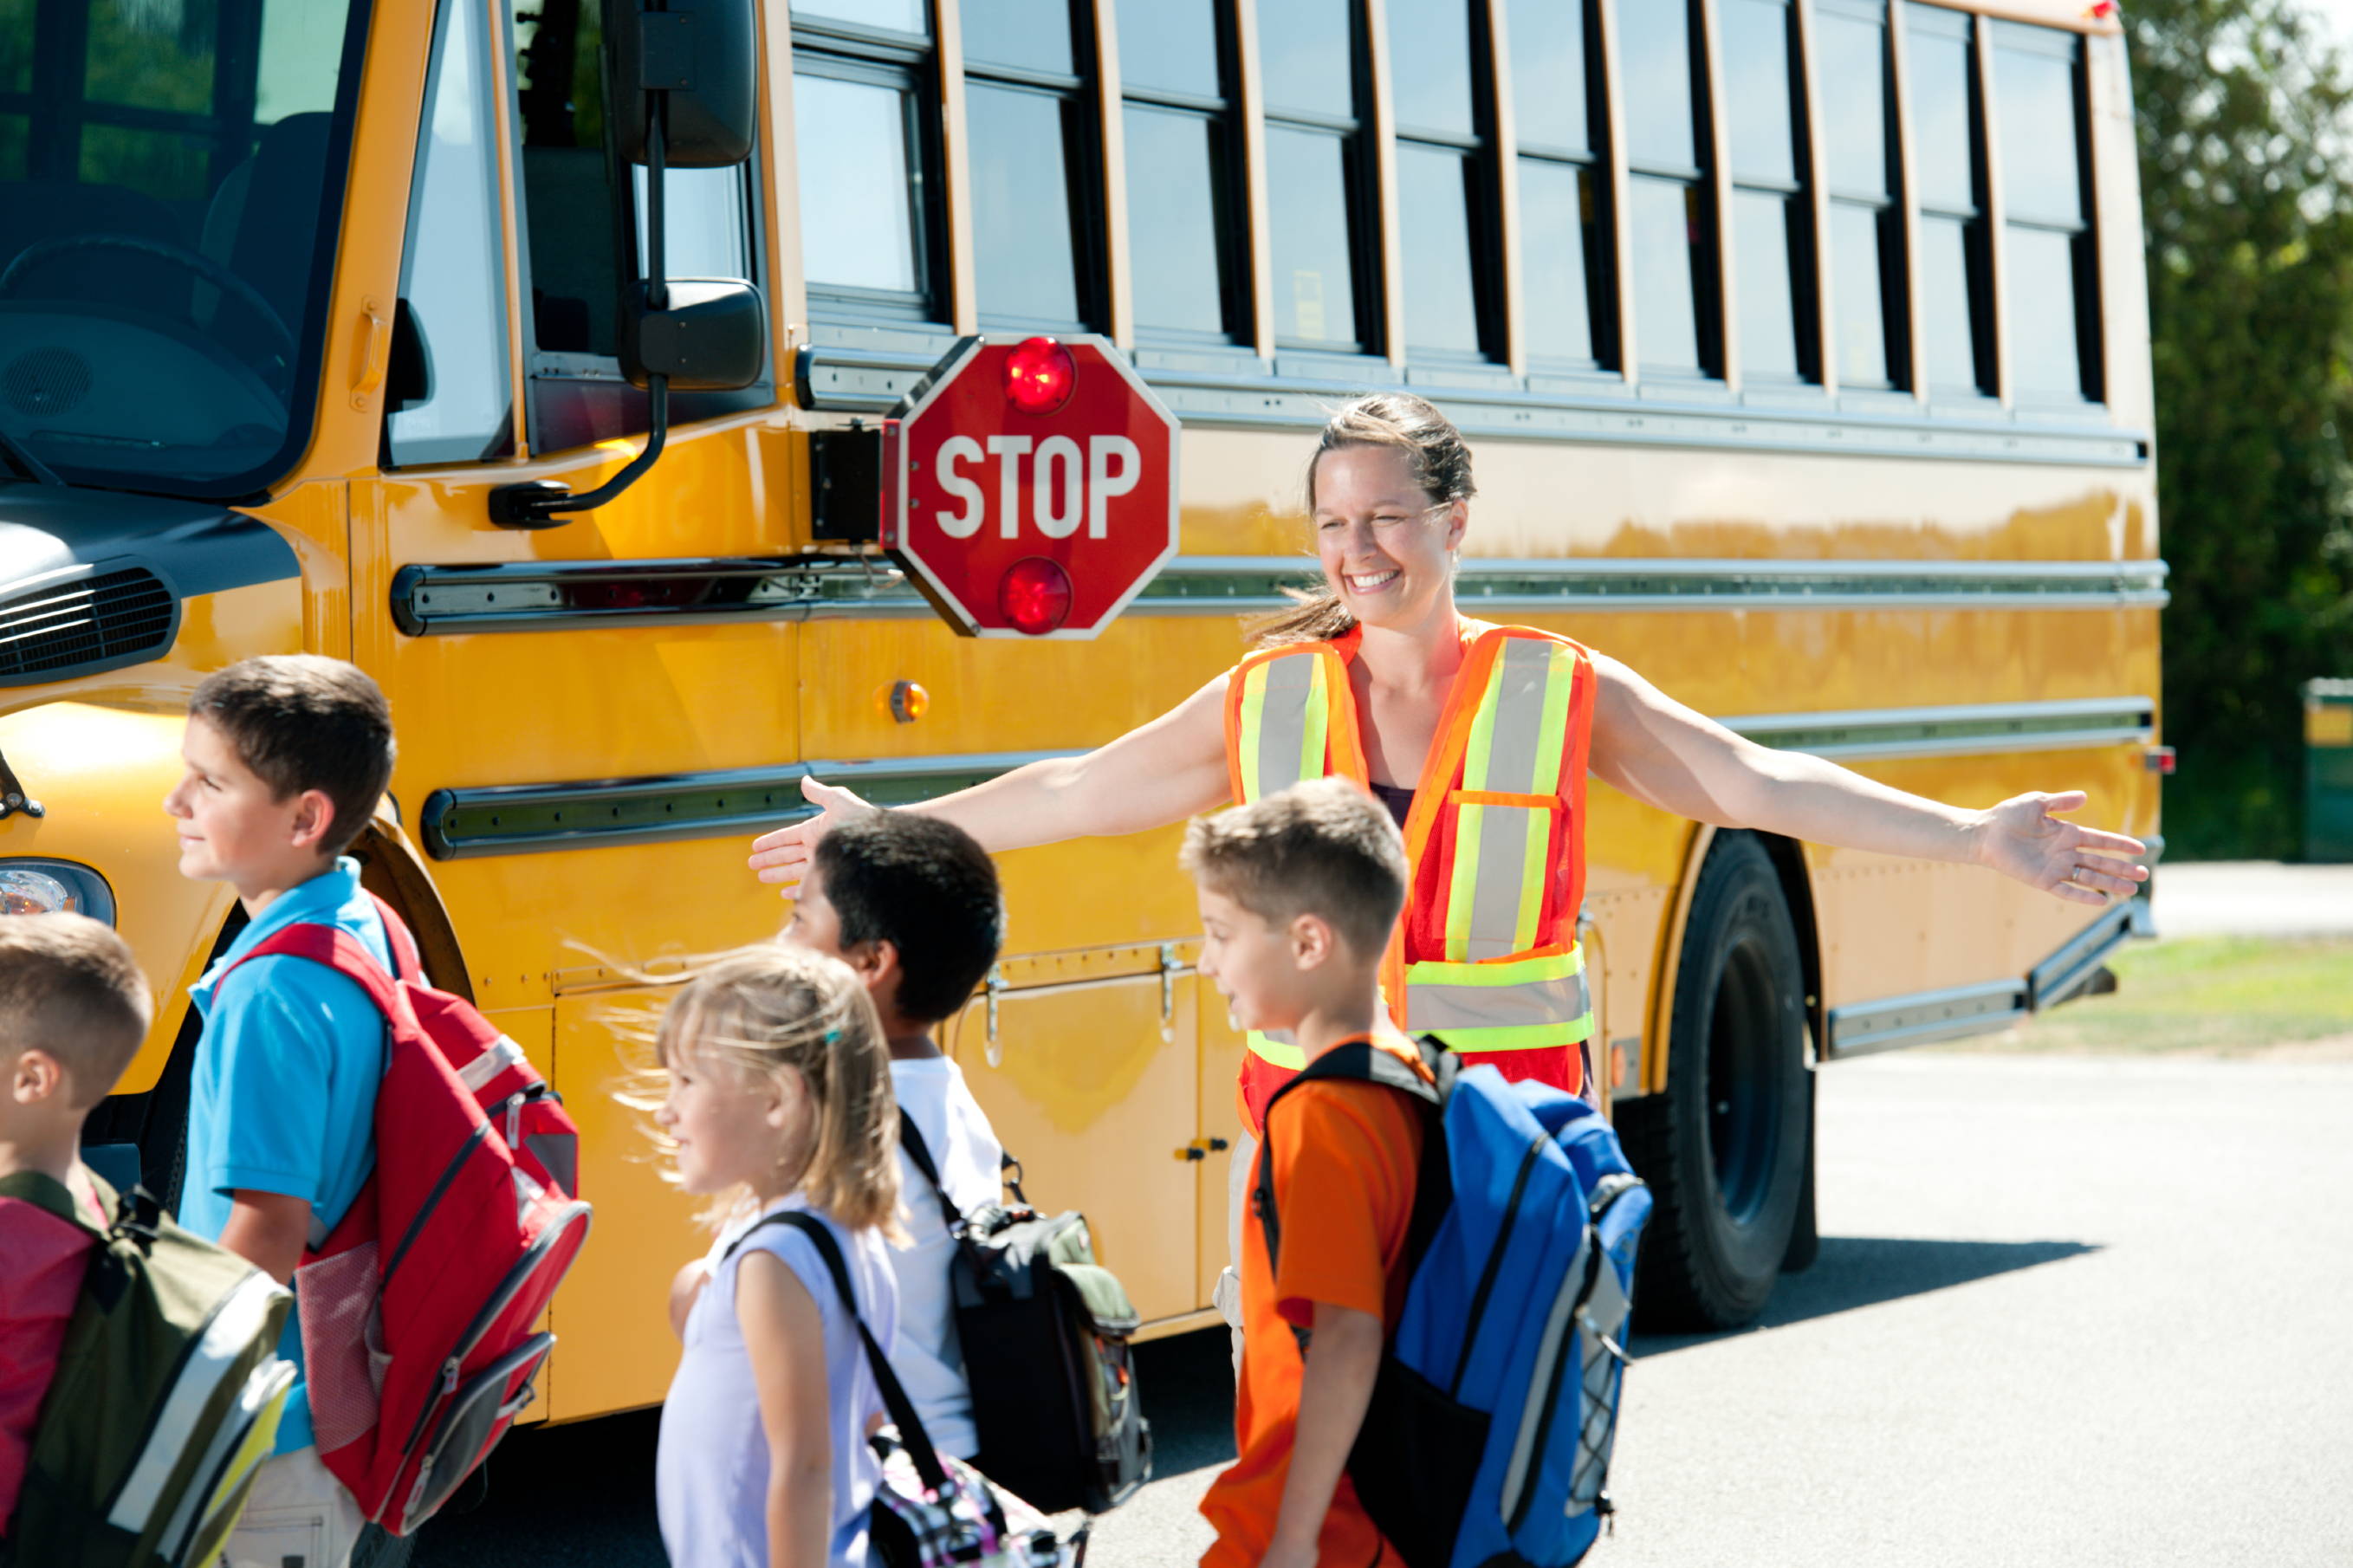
165, 1400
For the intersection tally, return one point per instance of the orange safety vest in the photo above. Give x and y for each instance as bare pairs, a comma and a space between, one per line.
1486, 955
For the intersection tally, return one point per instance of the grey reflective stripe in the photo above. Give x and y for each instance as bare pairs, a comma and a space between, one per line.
215, 1480
1503, 865
1282, 721
1555, 1342
205, 1366
1521, 674
1441, 1008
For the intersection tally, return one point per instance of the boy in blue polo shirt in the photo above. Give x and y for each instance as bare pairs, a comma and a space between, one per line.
285, 760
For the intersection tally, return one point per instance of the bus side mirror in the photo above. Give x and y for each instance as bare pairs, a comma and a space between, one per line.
711, 336
699, 57
682, 96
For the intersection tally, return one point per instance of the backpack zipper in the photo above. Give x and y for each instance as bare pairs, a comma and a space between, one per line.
1561, 1346
524, 1267
433, 1198
1495, 1262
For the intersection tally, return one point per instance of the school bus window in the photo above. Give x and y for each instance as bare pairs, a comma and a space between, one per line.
457, 403
885, 16
1029, 127
1676, 321
1444, 181
572, 221
1559, 131
1770, 224
863, 127
163, 155
2047, 239
1184, 233
1852, 60
567, 191
1326, 282
1956, 355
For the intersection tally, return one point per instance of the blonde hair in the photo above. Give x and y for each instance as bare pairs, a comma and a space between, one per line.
1441, 467
1321, 848
768, 1011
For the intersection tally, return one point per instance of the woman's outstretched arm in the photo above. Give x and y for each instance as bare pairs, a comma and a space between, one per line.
1663, 754
1160, 773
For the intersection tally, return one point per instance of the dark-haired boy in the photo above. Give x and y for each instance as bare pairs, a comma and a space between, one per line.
286, 758
73, 1009
912, 903
1298, 892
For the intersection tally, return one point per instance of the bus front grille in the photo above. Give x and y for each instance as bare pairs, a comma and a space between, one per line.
116, 618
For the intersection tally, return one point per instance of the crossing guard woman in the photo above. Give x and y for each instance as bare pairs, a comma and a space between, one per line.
1479, 739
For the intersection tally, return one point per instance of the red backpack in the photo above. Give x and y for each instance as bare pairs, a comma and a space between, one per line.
417, 1309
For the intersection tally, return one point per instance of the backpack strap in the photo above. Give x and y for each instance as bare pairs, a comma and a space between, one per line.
911, 1139
406, 964
912, 1435
338, 950
46, 1192
1364, 1062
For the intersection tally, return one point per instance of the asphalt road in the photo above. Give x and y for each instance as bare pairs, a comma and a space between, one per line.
2068, 1312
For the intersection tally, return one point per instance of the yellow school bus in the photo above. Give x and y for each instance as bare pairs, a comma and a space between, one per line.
1802, 343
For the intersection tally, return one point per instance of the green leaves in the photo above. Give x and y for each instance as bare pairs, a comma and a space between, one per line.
2245, 118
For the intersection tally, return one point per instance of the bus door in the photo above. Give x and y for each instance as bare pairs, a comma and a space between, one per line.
575, 662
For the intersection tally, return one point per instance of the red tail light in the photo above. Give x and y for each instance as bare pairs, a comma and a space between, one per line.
1035, 596
1039, 375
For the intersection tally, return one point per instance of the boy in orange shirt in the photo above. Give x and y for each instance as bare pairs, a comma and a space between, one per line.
1298, 894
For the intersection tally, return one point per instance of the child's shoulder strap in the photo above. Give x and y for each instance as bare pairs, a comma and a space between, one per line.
911, 1139
336, 949
912, 1435
1364, 1062
43, 1191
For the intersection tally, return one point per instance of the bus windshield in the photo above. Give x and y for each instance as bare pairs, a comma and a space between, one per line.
170, 174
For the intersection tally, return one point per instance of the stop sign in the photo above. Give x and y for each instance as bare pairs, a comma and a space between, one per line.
1030, 488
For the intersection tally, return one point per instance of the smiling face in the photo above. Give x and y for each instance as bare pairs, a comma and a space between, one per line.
1387, 549
730, 1128
1264, 971
232, 827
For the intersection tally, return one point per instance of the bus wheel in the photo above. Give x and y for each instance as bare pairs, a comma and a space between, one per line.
1724, 1148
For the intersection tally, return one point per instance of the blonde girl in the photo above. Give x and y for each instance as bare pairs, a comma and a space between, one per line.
778, 1099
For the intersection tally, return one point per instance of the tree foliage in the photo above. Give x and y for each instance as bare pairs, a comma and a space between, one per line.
2247, 193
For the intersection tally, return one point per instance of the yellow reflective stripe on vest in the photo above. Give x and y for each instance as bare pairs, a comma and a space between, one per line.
1502, 854
1285, 722
1278, 1048
1521, 1004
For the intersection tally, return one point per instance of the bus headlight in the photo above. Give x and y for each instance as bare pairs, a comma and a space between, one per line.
53, 887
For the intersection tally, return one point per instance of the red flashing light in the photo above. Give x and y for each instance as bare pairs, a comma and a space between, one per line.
1035, 596
1039, 375
2159, 760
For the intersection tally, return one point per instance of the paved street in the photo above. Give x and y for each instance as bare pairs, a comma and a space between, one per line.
2069, 1312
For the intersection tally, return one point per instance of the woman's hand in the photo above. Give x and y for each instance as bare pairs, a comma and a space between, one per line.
2023, 837
783, 857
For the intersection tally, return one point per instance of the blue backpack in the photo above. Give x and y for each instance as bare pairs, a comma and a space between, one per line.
1487, 1441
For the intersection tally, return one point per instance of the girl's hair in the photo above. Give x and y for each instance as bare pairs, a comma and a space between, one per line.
771, 1010
1441, 467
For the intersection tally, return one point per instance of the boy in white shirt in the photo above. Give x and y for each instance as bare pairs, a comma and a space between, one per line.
912, 904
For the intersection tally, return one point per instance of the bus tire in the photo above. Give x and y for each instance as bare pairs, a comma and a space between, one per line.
1724, 1147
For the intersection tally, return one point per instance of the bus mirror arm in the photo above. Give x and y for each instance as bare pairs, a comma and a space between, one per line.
704, 333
